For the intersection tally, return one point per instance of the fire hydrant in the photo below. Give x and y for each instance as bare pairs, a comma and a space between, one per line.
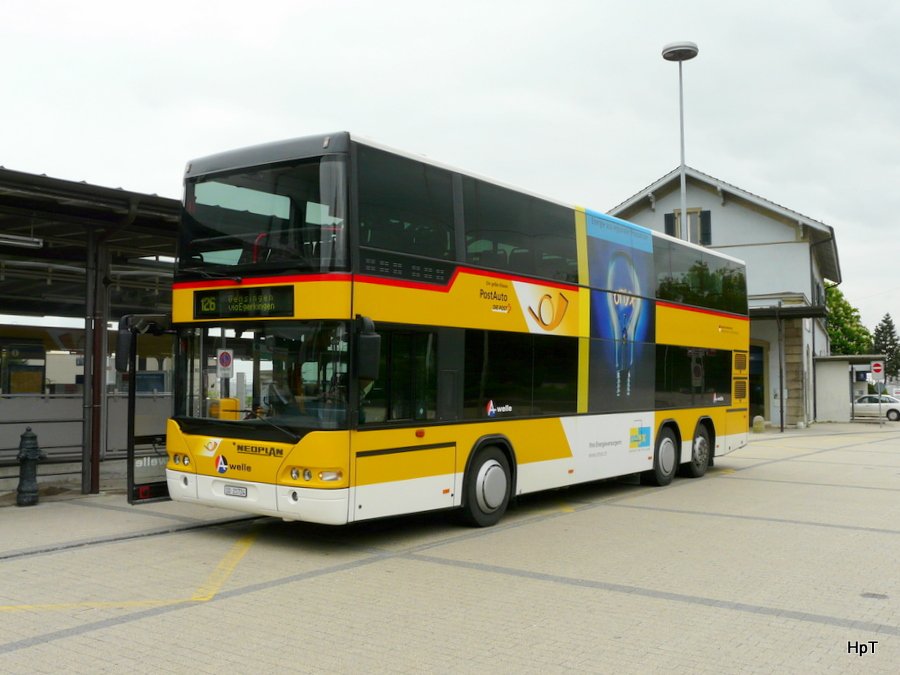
29, 456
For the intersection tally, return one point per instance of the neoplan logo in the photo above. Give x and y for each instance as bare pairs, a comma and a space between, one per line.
259, 450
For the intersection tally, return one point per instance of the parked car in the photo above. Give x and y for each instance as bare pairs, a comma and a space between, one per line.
867, 406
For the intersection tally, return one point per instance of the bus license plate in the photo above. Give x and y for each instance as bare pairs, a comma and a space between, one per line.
235, 491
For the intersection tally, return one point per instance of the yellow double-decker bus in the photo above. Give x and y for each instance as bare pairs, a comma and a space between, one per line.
362, 333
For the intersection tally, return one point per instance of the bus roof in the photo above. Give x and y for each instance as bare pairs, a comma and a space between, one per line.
339, 142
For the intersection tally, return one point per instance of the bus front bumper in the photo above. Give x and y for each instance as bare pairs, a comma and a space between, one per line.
329, 507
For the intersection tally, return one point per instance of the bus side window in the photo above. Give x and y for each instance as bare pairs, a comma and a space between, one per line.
406, 388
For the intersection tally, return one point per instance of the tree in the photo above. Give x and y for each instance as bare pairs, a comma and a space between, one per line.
885, 342
845, 329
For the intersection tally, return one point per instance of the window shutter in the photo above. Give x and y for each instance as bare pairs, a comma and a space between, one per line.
705, 228
670, 224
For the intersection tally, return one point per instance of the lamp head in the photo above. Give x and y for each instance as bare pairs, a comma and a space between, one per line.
680, 51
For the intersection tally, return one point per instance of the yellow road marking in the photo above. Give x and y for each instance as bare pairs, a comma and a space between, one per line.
224, 570
206, 592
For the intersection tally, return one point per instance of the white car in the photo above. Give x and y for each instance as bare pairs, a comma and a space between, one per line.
867, 406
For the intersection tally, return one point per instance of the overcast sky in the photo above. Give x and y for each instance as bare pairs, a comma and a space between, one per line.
798, 102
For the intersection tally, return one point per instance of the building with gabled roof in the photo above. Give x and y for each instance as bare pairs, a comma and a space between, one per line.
789, 257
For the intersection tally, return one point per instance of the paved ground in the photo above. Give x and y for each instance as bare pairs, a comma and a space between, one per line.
783, 559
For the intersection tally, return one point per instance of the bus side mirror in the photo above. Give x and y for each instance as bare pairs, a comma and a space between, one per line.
123, 344
368, 350
129, 326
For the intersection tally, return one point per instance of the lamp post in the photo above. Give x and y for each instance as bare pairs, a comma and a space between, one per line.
681, 51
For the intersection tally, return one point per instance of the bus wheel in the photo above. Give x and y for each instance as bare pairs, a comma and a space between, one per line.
665, 460
699, 454
487, 488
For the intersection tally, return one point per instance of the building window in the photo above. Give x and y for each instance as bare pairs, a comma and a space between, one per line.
699, 226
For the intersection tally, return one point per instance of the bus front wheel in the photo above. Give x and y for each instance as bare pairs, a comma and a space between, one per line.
487, 488
665, 460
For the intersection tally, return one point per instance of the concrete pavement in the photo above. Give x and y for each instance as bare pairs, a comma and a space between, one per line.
783, 559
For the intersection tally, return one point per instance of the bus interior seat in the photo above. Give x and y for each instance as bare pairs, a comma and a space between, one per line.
431, 241
490, 258
521, 260
389, 235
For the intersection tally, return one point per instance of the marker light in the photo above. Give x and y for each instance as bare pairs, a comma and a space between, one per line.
329, 475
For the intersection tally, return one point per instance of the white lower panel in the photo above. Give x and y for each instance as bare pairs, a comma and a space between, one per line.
405, 496
314, 506
730, 443
610, 445
329, 507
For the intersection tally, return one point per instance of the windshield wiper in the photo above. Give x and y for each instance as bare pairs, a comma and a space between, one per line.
294, 438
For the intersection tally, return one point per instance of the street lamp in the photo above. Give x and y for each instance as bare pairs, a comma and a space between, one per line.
681, 51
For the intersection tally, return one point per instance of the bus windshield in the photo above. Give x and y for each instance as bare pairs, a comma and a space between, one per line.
273, 379
283, 217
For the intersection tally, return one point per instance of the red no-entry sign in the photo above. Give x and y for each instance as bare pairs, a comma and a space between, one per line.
877, 368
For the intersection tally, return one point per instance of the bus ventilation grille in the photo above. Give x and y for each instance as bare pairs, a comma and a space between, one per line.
740, 389
740, 361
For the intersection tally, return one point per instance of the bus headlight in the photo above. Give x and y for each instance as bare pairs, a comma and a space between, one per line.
186, 460
307, 474
176, 459
295, 473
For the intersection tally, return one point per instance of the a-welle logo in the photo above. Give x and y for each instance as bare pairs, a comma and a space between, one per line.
549, 313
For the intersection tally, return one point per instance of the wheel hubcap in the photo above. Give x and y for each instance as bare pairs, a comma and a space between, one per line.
701, 451
490, 486
667, 456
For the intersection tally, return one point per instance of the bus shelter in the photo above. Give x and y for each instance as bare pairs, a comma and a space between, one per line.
70, 249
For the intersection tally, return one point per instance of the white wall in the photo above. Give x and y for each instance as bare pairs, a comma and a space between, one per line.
782, 268
832, 391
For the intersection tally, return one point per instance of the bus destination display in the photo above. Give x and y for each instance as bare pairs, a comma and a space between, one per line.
241, 303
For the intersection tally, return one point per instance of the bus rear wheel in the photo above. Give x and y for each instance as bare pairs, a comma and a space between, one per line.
700, 450
487, 488
665, 460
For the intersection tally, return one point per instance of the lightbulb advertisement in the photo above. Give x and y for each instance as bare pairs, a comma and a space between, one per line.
622, 357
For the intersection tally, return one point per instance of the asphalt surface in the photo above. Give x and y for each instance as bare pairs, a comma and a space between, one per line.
784, 558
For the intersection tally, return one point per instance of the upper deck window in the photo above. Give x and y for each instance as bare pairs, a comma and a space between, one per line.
288, 216
512, 231
405, 206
